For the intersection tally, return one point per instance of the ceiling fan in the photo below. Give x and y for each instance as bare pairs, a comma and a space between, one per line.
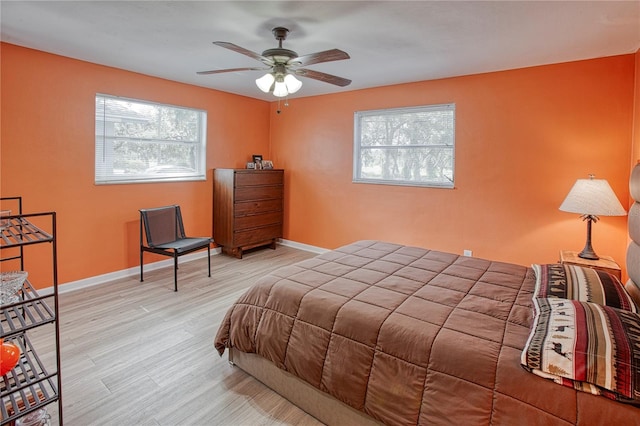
284, 64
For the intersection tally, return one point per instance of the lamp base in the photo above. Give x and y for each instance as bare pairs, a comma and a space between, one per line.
587, 252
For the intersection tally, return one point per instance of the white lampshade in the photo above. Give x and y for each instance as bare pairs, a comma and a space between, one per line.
293, 84
280, 89
593, 197
265, 82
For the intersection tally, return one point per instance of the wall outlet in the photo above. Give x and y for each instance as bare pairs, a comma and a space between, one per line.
468, 253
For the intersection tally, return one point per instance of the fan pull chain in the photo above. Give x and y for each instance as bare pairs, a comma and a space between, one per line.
286, 103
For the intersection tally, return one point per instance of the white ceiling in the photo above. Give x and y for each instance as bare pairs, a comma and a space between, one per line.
389, 42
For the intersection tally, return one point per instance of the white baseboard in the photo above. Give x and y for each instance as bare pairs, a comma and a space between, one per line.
302, 246
125, 273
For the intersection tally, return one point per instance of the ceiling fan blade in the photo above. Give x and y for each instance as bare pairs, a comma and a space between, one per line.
318, 57
243, 51
327, 78
231, 70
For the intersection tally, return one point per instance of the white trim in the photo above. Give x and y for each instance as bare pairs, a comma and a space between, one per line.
125, 273
302, 246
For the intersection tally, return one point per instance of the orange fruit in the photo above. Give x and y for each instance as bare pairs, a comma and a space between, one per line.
9, 356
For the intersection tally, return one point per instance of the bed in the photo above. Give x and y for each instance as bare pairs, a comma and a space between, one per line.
376, 332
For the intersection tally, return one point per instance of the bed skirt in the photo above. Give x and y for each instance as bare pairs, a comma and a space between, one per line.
313, 401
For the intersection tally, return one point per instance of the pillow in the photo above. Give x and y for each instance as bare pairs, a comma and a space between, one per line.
589, 347
580, 283
633, 290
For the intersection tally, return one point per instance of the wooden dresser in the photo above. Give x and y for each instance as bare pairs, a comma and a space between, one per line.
247, 208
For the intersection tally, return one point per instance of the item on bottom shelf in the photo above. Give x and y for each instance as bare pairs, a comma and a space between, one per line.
37, 418
10, 286
22, 401
9, 356
4, 222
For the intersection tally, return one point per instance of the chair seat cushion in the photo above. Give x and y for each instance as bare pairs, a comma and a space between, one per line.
185, 244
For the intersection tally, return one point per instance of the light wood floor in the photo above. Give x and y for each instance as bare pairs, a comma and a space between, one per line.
140, 354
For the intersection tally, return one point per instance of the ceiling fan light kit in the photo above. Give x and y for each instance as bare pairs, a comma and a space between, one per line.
265, 83
279, 82
283, 65
293, 84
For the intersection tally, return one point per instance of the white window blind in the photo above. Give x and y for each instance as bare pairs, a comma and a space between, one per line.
140, 141
405, 146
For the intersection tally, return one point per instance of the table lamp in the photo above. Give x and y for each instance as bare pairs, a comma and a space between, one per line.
592, 198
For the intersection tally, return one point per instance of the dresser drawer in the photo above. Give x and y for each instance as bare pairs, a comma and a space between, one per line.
257, 220
259, 177
252, 236
261, 206
249, 193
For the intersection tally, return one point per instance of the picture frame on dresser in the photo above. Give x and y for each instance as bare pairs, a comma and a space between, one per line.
257, 160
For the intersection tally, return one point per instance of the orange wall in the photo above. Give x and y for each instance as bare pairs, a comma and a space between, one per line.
522, 139
47, 156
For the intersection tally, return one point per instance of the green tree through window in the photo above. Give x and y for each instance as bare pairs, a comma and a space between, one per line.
139, 141
405, 146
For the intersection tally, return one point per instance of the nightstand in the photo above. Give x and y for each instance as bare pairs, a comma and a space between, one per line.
605, 263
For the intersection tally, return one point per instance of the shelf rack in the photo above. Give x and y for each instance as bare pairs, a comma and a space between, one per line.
32, 383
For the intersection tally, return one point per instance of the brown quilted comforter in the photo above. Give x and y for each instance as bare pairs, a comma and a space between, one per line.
410, 336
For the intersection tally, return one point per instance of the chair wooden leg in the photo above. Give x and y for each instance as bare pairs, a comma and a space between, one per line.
141, 271
209, 258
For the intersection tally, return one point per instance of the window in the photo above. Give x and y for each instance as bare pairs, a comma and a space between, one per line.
405, 146
139, 141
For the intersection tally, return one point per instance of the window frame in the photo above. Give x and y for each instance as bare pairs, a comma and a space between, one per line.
358, 147
104, 174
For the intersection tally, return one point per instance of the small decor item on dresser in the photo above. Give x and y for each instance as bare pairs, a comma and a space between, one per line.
257, 159
9, 356
10, 286
267, 164
251, 165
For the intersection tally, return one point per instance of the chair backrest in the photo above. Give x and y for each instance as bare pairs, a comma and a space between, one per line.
162, 224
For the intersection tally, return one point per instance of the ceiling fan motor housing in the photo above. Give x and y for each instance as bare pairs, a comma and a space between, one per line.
279, 55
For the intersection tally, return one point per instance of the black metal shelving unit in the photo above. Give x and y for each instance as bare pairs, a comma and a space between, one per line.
33, 383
